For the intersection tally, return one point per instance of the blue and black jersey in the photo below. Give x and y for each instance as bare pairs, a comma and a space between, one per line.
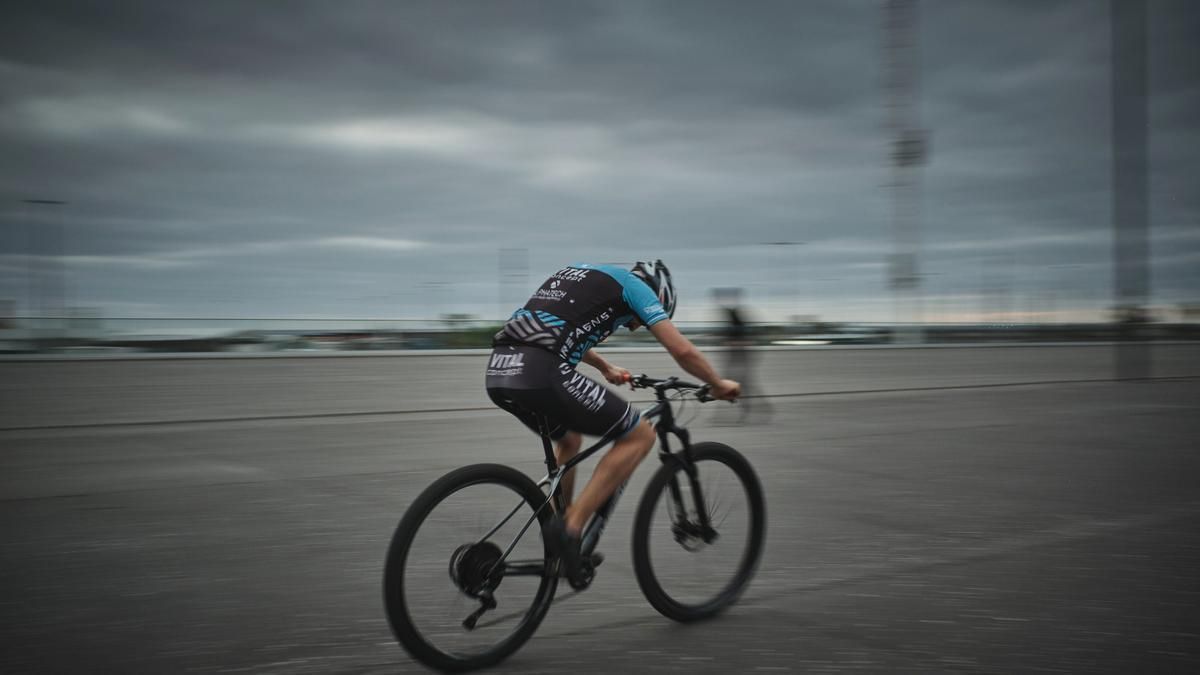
578, 307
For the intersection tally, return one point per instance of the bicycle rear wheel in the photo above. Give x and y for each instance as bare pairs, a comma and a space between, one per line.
442, 569
688, 571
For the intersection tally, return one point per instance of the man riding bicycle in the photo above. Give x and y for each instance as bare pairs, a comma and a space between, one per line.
532, 374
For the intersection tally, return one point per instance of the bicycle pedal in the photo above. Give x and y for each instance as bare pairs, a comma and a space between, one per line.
591, 563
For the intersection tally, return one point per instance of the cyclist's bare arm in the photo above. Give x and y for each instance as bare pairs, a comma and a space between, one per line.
690, 359
613, 374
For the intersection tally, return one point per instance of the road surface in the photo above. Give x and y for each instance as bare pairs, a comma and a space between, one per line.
930, 510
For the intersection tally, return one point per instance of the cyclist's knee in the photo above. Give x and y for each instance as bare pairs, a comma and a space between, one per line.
643, 436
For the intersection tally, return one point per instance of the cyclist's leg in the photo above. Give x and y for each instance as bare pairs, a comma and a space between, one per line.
589, 407
538, 385
617, 465
566, 448
525, 384
584, 406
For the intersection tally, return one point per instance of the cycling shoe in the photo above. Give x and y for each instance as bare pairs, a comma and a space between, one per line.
566, 548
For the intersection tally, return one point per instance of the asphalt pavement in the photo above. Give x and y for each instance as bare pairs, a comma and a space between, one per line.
955, 510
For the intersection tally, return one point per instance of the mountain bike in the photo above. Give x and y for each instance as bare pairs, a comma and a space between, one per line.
468, 577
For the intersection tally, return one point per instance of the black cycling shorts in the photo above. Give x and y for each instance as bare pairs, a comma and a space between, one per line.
533, 384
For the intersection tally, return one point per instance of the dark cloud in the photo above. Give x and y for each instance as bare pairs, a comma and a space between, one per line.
372, 158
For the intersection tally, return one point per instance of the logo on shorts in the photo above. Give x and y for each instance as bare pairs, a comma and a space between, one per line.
507, 360
506, 364
587, 392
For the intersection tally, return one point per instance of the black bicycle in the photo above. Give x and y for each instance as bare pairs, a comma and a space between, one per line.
464, 587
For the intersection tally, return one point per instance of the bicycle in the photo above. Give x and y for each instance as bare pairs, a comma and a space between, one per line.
482, 575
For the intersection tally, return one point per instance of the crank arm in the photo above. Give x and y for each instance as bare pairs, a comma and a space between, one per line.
524, 568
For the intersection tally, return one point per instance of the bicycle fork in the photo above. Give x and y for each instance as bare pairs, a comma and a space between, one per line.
684, 527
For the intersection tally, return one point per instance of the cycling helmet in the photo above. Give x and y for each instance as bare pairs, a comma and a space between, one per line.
658, 278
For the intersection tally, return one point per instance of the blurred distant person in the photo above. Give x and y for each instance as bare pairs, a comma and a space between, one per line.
531, 374
737, 338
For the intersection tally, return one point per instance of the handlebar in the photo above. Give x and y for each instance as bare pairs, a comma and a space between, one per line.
701, 391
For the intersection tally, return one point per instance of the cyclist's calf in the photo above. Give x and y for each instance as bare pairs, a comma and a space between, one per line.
566, 449
615, 468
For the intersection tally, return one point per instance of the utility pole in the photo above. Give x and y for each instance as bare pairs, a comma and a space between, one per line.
909, 150
1131, 270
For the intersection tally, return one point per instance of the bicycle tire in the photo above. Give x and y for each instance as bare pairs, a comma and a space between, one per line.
643, 567
396, 607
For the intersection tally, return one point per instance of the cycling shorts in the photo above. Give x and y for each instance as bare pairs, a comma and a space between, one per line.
534, 384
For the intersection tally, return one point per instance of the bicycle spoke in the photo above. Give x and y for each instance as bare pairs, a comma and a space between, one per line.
714, 507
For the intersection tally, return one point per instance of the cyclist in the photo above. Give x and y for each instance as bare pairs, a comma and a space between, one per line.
532, 374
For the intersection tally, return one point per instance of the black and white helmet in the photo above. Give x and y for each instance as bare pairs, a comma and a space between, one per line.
658, 278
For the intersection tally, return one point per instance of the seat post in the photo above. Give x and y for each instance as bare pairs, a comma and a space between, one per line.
544, 430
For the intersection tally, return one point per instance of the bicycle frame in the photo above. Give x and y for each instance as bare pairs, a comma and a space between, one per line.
665, 427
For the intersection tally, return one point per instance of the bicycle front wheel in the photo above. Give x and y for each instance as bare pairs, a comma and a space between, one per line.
444, 567
697, 540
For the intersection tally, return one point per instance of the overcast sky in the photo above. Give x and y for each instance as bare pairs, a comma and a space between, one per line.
352, 159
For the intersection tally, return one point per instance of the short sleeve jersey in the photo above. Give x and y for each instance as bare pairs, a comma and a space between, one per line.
578, 307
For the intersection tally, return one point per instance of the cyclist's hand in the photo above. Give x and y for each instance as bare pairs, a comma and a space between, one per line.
617, 375
726, 390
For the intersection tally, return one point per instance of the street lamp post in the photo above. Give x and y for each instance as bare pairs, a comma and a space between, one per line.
1130, 191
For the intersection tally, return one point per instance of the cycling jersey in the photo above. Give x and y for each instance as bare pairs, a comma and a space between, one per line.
531, 370
578, 307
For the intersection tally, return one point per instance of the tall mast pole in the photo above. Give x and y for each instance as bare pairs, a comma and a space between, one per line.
907, 153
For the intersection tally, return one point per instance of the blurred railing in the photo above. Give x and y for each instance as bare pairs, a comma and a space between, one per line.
92, 335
